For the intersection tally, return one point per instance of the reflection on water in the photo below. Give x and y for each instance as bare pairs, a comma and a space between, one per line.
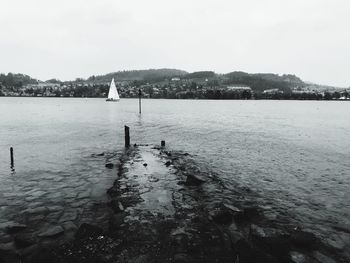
293, 154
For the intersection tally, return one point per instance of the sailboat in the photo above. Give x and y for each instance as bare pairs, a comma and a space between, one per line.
113, 93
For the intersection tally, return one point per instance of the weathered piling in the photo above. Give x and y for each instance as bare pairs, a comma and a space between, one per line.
127, 136
162, 143
140, 101
12, 159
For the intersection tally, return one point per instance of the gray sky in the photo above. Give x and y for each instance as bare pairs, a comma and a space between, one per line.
66, 39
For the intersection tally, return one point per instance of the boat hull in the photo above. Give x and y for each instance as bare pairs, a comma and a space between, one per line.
115, 100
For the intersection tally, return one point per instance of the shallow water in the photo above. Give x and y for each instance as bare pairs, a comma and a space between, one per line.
294, 154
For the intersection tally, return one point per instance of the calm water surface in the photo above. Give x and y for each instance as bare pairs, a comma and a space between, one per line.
294, 154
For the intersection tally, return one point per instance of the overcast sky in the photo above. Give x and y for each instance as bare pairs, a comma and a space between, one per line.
66, 39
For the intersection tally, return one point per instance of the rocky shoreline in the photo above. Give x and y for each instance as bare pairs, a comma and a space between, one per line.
163, 208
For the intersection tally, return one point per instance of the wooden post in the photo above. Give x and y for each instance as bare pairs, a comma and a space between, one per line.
127, 136
11, 154
162, 143
140, 101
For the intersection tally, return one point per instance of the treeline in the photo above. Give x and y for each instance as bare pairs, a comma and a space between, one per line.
16, 80
257, 82
171, 83
199, 94
260, 82
148, 75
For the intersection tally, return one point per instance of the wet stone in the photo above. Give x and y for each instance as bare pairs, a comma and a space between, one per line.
297, 257
142, 259
182, 258
87, 231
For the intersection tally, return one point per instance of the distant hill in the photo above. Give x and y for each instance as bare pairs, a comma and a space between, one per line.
258, 82
151, 75
262, 81
16, 80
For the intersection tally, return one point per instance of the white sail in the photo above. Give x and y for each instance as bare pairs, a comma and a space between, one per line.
113, 93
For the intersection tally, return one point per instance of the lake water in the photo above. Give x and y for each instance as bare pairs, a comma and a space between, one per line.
294, 155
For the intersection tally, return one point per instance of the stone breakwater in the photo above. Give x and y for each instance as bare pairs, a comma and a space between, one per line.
163, 207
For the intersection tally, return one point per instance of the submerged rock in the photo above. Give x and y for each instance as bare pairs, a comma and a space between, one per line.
116, 221
42, 255
246, 215
297, 257
249, 254
194, 180
304, 239
69, 216
323, 258
234, 235
221, 215
182, 258
117, 206
6, 247
257, 231
8, 254
232, 208
69, 226
109, 165
24, 240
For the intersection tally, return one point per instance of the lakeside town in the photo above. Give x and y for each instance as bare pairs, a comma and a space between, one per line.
175, 84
